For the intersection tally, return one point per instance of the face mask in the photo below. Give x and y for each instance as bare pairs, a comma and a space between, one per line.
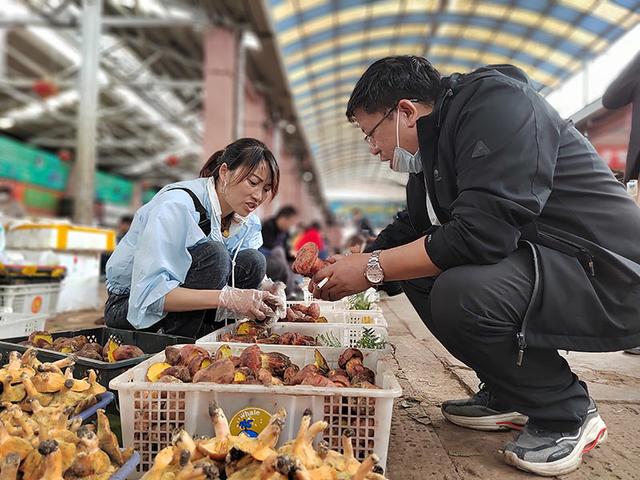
403, 161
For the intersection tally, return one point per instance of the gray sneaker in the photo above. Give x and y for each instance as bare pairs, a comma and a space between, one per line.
633, 351
482, 412
549, 453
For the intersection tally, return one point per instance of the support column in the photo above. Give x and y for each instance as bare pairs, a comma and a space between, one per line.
241, 65
4, 33
220, 45
84, 189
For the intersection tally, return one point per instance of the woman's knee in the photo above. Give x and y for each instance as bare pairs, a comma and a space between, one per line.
210, 265
251, 267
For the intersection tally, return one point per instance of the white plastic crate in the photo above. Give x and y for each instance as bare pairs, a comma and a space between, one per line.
37, 298
149, 412
325, 306
347, 335
340, 315
14, 325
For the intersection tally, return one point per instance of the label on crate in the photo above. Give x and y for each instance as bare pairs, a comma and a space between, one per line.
36, 304
249, 421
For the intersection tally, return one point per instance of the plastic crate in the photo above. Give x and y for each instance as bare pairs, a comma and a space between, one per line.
104, 400
20, 325
38, 298
127, 469
325, 307
149, 412
347, 335
334, 314
150, 343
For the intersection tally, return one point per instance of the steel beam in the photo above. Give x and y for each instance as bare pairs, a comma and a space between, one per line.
85, 165
142, 84
240, 74
107, 22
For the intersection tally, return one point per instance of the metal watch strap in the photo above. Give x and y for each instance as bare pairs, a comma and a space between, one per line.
374, 262
374, 259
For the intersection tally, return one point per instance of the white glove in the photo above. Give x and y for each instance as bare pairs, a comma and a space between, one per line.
248, 303
277, 289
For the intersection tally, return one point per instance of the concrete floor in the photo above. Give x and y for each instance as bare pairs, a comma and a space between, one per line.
423, 445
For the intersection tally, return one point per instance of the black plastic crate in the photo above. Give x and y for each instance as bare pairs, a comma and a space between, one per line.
150, 343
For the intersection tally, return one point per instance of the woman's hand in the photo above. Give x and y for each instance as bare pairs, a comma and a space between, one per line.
345, 277
277, 289
248, 303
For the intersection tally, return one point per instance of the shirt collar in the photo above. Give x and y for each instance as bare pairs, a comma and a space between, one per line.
215, 204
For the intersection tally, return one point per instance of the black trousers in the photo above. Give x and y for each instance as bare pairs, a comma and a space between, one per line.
475, 311
210, 270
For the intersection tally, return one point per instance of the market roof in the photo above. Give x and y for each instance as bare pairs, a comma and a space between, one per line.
327, 44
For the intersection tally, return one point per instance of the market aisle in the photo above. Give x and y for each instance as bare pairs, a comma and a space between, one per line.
423, 445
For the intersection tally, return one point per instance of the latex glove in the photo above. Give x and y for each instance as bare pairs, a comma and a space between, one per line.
254, 304
277, 289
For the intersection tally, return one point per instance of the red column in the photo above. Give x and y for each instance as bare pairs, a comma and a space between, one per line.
220, 47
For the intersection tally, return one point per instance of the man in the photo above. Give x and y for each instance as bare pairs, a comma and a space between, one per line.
275, 239
361, 223
625, 90
123, 226
511, 247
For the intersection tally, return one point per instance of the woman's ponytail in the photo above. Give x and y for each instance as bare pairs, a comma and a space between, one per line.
210, 169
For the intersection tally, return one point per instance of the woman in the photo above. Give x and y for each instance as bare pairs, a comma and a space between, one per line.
311, 234
190, 242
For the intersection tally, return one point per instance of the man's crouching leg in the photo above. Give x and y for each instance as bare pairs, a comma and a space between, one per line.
476, 311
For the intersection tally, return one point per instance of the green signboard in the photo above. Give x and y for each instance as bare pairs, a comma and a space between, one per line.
31, 165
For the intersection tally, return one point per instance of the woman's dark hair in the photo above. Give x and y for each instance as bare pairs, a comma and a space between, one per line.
389, 80
245, 154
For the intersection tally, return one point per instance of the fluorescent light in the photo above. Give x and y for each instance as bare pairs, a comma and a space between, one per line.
6, 123
250, 40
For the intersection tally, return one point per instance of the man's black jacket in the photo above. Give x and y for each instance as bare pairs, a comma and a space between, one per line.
501, 167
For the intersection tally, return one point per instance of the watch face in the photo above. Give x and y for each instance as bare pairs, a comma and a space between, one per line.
374, 275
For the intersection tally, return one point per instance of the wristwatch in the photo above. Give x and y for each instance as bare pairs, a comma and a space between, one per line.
374, 273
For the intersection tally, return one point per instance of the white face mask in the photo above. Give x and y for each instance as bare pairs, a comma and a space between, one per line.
404, 161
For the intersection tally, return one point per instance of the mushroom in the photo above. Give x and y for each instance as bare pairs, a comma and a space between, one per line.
107, 440
261, 447
90, 460
160, 464
307, 262
216, 448
52, 460
302, 447
9, 467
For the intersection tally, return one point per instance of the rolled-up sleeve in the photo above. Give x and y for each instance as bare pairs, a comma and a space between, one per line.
503, 187
162, 261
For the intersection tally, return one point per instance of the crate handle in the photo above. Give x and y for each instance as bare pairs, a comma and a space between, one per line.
105, 399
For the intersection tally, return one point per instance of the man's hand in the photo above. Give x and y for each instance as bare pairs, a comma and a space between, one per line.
345, 277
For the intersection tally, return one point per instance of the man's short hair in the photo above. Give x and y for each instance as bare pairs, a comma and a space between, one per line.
389, 80
287, 211
126, 219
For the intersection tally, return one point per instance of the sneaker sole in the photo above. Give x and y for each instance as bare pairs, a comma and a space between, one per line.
596, 434
490, 423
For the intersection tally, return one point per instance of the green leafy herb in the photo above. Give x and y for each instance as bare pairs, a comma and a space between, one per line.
359, 301
370, 340
328, 340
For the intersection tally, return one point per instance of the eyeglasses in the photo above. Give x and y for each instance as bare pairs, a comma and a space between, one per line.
369, 136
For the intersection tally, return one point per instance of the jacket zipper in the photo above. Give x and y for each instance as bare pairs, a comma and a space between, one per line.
582, 254
521, 335
448, 93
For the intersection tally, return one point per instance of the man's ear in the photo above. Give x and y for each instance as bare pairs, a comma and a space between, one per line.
408, 108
